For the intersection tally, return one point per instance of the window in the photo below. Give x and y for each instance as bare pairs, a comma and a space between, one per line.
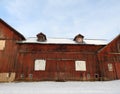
96, 76
79, 38
110, 67
22, 76
30, 76
80, 65
40, 65
2, 44
41, 37
88, 76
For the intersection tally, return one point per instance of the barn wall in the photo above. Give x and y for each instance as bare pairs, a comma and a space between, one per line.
60, 62
110, 55
8, 52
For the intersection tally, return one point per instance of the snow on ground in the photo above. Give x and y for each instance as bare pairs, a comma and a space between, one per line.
108, 87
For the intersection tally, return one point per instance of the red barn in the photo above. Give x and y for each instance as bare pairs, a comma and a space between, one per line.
56, 59
109, 60
8, 51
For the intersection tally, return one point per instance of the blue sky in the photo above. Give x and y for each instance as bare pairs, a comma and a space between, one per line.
95, 19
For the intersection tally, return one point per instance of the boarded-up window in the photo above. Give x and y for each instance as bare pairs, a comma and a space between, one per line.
80, 65
110, 67
40, 65
2, 44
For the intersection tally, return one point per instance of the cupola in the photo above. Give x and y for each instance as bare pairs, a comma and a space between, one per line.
41, 37
79, 38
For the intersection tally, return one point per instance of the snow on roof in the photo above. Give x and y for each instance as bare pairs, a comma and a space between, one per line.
65, 41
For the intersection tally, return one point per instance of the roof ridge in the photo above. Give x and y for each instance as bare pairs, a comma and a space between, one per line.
95, 39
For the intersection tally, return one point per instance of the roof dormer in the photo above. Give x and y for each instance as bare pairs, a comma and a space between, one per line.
79, 38
41, 37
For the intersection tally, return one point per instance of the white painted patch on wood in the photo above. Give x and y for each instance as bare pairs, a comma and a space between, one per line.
110, 67
7, 77
80, 65
40, 65
2, 44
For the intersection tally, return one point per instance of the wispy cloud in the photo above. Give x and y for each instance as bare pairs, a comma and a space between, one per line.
64, 18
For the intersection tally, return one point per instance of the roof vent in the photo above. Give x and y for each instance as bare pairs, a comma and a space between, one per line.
41, 37
79, 38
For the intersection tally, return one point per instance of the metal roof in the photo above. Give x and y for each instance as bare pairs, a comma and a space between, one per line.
65, 41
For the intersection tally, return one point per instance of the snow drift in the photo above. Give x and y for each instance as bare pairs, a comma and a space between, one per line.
109, 87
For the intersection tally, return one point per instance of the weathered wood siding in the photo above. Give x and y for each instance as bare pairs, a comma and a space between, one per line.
60, 61
110, 55
8, 48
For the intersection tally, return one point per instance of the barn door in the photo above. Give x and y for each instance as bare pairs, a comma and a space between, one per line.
61, 70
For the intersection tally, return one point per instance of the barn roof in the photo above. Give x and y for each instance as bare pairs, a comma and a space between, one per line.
109, 43
65, 41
